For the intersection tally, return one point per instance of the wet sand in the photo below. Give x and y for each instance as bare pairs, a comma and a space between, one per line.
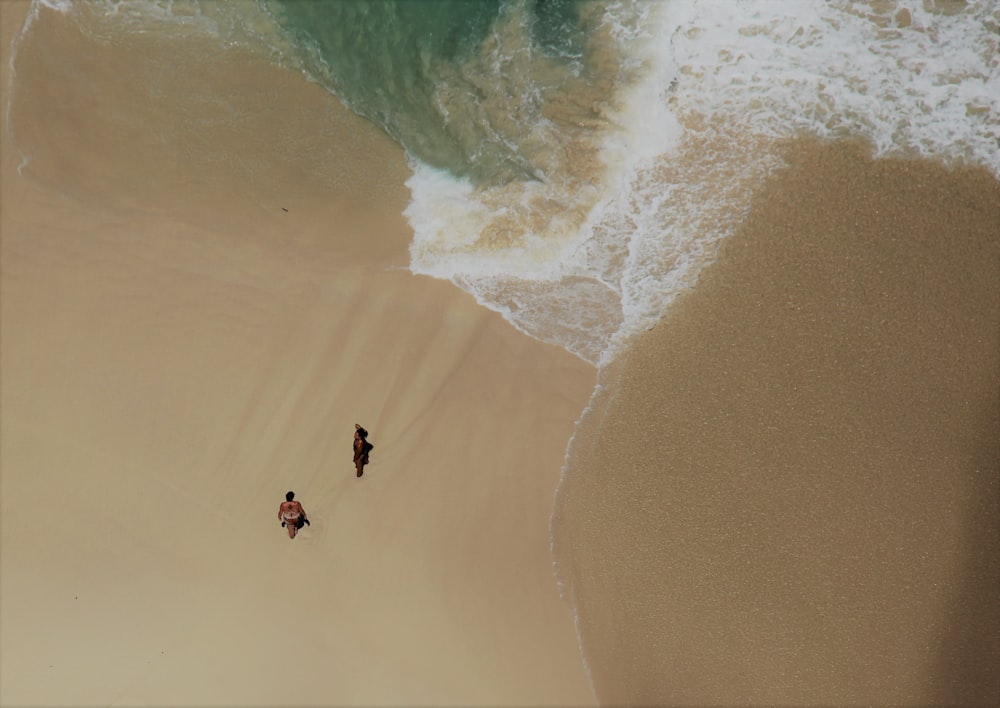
194, 315
789, 490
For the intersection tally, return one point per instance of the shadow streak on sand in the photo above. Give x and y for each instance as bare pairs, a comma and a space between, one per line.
966, 673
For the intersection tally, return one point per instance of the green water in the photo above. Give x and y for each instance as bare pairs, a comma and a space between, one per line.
454, 81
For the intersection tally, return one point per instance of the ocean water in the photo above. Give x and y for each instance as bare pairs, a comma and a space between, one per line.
576, 164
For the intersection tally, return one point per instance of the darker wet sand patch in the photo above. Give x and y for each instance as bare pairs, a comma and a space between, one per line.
789, 492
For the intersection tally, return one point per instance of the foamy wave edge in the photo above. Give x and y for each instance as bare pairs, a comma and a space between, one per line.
698, 134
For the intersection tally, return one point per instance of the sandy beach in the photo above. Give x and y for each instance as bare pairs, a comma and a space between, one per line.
788, 492
183, 343
784, 492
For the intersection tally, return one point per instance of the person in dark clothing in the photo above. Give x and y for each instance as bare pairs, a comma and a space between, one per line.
361, 449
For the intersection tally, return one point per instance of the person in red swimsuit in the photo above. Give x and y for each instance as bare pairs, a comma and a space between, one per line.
292, 515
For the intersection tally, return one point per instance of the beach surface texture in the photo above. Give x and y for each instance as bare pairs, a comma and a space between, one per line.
179, 351
675, 327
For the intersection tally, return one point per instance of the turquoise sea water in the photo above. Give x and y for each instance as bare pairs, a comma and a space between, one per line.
417, 70
576, 164
559, 147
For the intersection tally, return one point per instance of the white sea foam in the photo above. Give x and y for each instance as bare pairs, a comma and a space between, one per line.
693, 136
63, 6
911, 81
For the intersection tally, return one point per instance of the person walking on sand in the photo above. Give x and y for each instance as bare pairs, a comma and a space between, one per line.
292, 515
361, 449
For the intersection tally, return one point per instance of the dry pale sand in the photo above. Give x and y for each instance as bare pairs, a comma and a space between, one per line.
790, 491
178, 351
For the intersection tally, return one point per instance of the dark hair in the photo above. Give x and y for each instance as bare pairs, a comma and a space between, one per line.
289, 496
